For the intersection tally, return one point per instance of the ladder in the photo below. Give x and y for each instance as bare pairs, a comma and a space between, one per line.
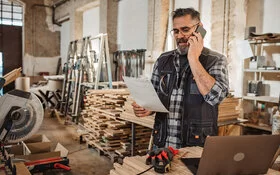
103, 57
81, 61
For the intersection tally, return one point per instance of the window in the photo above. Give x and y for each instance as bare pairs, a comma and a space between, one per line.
11, 13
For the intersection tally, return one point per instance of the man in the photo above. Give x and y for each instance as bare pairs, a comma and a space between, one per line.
190, 81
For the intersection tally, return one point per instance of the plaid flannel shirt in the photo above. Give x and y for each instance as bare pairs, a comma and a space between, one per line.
217, 93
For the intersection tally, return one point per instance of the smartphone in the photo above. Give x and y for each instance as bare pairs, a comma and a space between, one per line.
201, 30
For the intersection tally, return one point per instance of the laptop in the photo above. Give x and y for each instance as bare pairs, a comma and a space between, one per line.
232, 155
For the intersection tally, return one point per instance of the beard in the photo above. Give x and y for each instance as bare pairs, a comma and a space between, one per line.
182, 49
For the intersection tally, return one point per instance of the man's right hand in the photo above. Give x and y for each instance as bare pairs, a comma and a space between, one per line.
140, 111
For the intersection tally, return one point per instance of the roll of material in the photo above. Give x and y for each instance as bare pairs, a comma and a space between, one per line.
23, 83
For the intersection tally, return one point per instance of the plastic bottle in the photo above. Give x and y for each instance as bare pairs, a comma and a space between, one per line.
276, 124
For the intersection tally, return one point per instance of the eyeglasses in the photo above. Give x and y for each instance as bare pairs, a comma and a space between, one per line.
183, 30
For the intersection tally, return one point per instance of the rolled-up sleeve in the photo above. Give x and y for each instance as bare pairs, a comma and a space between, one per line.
220, 89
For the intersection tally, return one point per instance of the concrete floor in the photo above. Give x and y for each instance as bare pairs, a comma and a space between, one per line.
83, 160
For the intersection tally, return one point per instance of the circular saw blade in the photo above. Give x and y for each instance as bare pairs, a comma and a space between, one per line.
30, 120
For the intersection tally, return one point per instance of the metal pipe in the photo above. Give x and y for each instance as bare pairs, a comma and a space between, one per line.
54, 6
60, 3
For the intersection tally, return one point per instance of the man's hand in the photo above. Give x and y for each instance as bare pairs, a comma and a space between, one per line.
195, 46
140, 111
202, 78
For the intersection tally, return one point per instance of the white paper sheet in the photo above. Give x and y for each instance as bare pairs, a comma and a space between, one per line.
144, 94
243, 49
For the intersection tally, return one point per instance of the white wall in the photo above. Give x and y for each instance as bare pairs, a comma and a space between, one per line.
132, 24
91, 22
271, 16
271, 23
186, 4
64, 41
33, 65
205, 17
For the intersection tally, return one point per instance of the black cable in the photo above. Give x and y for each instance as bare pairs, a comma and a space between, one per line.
145, 170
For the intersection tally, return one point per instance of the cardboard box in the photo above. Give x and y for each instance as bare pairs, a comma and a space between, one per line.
36, 144
21, 169
35, 148
37, 138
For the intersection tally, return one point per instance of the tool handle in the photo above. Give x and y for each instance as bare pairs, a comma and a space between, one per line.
43, 161
59, 165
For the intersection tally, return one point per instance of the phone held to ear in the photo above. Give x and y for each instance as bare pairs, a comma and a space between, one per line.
201, 30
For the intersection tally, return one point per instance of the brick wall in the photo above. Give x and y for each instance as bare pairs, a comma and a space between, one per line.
41, 38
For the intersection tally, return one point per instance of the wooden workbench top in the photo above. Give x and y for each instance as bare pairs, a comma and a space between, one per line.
136, 164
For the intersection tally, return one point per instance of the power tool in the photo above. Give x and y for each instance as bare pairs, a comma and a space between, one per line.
21, 116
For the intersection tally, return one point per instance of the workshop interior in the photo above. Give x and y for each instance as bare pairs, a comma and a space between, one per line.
70, 71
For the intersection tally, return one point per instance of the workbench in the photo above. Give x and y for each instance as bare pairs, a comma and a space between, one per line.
137, 120
136, 164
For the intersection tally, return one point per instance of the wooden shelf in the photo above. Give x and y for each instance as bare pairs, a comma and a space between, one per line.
265, 128
259, 70
231, 122
264, 41
262, 98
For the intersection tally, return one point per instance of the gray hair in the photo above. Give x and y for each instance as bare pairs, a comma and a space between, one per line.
186, 11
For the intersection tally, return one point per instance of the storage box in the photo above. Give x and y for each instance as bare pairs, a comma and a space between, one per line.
35, 148
37, 138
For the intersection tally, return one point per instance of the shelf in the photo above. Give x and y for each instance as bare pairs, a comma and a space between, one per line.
264, 41
231, 122
259, 70
265, 128
262, 98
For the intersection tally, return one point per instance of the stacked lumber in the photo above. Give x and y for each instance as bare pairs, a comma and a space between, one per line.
118, 85
229, 109
107, 131
142, 138
136, 164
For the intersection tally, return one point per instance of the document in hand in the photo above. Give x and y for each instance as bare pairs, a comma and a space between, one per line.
144, 94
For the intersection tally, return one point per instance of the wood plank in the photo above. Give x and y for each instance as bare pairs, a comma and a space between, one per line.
108, 91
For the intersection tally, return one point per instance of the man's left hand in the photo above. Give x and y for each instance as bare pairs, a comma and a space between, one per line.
195, 46
140, 111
